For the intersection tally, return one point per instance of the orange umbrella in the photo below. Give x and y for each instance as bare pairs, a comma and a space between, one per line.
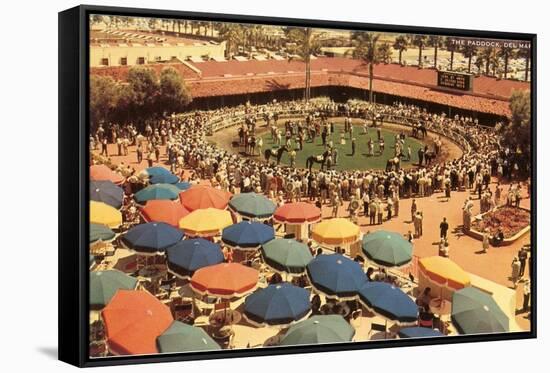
225, 280
297, 213
444, 271
102, 172
203, 197
163, 210
133, 321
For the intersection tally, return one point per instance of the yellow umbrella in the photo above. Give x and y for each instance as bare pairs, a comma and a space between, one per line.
205, 222
445, 272
336, 231
102, 213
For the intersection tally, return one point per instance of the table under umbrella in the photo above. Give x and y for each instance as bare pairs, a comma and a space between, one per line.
104, 214
203, 197
297, 213
286, 256
100, 172
157, 191
247, 235
104, 285
180, 337
133, 321
474, 312
108, 192
389, 302
335, 232
336, 276
317, 330
187, 256
419, 332
225, 280
165, 211
387, 249
205, 222
252, 206
151, 238
277, 305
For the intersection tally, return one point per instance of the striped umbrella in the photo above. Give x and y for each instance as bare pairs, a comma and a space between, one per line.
247, 235
252, 205
286, 255
187, 256
106, 191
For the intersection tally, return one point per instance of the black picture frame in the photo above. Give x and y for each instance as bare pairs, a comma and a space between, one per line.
74, 185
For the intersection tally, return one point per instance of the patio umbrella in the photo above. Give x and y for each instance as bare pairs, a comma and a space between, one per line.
277, 305
336, 276
225, 280
102, 213
101, 172
389, 302
101, 233
133, 321
151, 238
160, 175
106, 191
205, 222
183, 185
252, 205
444, 271
318, 330
180, 337
187, 256
203, 197
286, 255
104, 285
419, 332
334, 232
157, 191
165, 211
247, 235
388, 249
474, 311
297, 213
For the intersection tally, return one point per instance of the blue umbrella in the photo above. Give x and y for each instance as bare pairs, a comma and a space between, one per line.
389, 302
185, 257
278, 304
157, 191
107, 192
159, 175
247, 235
419, 332
336, 276
183, 185
151, 238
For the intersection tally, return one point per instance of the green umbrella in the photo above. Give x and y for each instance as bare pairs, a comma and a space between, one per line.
100, 232
474, 311
252, 205
319, 329
180, 337
388, 249
286, 255
104, 285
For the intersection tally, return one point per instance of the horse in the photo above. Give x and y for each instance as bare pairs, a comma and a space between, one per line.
278, 154
429, 156
418, 130
322, 159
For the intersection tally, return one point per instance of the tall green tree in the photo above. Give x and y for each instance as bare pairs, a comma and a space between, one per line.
104, 96
307, 43
173, 94
366, 49
490, 57
517, 132
506, 53
232, 33
384, 50
525, 53
436, 42
419, 41
451, 47
469, 51
400, 44
144, 88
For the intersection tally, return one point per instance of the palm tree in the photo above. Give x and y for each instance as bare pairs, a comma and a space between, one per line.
480, 62
384, 50
490, 58
308, 43
366, 50
526, 54
469, 51
400, 44
232, 33
436, 42
506, 53
420, 41
451, 47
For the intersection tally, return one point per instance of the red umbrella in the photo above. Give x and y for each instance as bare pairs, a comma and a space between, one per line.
133, 321
297, 213
203, 197
100, 172
225, 280
166, 211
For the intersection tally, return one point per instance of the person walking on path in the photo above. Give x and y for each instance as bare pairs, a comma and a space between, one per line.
486, 239
443, 228
515, 272
372, 212
413, 209
526, 295
379, 212
522, 255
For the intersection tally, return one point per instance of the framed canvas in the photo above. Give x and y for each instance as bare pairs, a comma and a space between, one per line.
233, 186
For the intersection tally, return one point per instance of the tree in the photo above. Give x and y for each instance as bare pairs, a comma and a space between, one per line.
384, 51
233, 35
451, 47
506, 53
366, 50
104, 95
436, 42
517, 132
173, 94
526, 54
400, 44
144, 89
490, 57
469, 51
420, 41
307, 44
